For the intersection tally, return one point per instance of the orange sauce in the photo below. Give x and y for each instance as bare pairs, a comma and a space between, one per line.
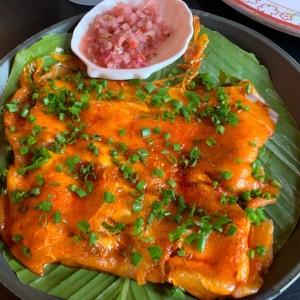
114, 181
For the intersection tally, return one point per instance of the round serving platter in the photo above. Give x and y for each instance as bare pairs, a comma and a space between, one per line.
285, 75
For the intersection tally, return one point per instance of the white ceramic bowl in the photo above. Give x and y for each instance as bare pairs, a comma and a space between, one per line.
175, 12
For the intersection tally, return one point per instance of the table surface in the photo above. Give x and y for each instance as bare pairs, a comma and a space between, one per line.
19, 20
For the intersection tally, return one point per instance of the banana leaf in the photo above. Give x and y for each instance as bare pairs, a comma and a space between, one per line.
282, 156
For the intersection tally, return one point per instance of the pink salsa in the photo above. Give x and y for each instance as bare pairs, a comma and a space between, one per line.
125, 37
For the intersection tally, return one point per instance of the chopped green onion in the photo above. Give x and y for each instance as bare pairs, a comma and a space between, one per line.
192, 158
220, 129
43, 220
207, 81
157, 101
251, 253
36, 130
176, 104
176, 147
121, 95
276, 183
211, 142
110, 141
35, 191
92, 238
223, 199
171, 182
261, 250
72, 187
238, 160
113, 153
44, 206
138, 226
40, 180
133, 158
155, 252
167, 135
140, 186
181, 253
247, 88
163, 92
191, 238
72, 161
40, 156
80, 192
12, 107
256, 193
145, 132
122, 132
83, 226
137, 206
109, 197
17, 238
232, 119
150, 87
119, 227
201, 241
26, 251
35, 96
24, 112
157, 130
252, 216
59, 168
231, 199
31, 140
140, 95
136, 258
57, 217
232, 230
222, 95
123, 147
92, 147
181, 206
260, 213
96, 137
220, 222
226, 175
157, 172
31, 119
176, 234
24, 150
143, 153
239, 104
245, 195
215, 183
129, 173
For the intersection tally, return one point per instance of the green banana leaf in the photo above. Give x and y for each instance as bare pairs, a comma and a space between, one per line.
282, 156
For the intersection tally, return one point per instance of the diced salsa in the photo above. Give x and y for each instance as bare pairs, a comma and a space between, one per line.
125, 37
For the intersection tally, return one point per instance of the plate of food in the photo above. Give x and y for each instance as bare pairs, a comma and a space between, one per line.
183, 185
283, 15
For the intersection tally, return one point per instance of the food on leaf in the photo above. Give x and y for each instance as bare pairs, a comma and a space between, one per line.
157, 181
